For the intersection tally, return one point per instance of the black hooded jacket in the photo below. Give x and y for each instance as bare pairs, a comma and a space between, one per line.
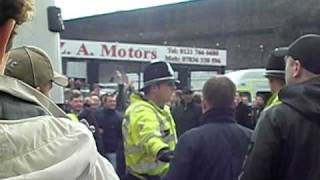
286, 142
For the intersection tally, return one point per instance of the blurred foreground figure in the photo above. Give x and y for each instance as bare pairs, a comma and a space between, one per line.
285, 143
35, 143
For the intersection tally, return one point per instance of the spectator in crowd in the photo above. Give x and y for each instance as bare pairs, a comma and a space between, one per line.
109, 122
88, 113
245, 99
35, 143
76, 106
197, 99
243, 112
256, 109
285, 144
216, 149
91, 104
175, 99
187, 114
96, 90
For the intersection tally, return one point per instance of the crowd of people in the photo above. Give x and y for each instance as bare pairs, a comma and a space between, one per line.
157, 132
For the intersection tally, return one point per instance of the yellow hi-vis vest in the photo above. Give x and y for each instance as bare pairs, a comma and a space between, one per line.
147, 129
273, 100
73, 117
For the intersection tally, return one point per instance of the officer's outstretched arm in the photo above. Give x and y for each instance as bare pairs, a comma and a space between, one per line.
148, 133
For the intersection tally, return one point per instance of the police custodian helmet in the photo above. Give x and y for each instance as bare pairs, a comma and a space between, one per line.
158, 71
276, 65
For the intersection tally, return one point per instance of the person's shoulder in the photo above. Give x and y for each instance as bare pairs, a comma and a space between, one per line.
276, 110
140, 107
118, 114
248, 132
193, 133
277, 115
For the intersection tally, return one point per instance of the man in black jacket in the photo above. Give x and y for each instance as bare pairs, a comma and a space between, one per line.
109, 122
187, 114
216, 149
286, 141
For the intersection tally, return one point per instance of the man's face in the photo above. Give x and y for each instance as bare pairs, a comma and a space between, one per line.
95, 102
45, 89
187, 97
237, 98
5, 34
77, 103
165, 91
259, 101
245, 100
290, 70
110, 102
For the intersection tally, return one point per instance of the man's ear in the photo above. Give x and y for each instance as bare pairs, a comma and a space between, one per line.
5, 33
205, 106
297, 69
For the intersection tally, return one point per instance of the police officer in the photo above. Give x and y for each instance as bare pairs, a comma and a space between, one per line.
148, 128
275, 72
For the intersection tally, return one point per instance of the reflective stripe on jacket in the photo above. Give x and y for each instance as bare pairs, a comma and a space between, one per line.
146, 130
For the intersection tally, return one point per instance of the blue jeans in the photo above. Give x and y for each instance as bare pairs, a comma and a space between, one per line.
112, 157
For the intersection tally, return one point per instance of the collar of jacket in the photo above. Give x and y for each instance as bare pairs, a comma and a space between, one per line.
303, 97
222, 115
25, 92
108, 111
136, 97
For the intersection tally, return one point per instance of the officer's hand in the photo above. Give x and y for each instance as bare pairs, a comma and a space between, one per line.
165, 155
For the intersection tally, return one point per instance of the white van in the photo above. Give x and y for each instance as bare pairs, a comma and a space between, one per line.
250, 82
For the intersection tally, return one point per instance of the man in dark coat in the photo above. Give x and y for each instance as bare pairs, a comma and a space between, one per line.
187, 114
286, 140
216, 149
109, 122
243, 112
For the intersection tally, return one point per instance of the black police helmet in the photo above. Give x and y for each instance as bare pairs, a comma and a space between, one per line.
158, 71
276, 65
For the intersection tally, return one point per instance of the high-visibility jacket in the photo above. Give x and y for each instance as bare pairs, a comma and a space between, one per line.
146, 130
273, 100
73, 117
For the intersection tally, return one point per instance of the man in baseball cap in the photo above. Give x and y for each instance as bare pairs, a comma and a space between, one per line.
33, 66
286, 139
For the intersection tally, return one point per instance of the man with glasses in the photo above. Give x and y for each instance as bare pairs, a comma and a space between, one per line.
148, 129
286, 140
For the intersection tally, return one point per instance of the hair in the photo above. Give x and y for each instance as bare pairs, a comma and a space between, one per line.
197, 98
75, 94
19, 10
219, 91
105, 97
